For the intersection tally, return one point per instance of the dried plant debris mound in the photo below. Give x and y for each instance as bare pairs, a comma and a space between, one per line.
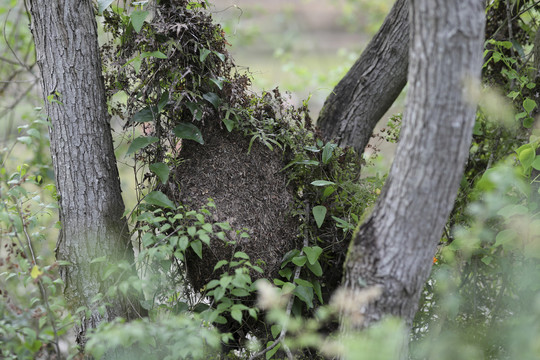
249, 192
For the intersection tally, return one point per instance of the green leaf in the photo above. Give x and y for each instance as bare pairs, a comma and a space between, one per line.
276, 330
103, 4
288, 257
159, 199
163, 101
197, 248
505, 238
315, 268
520, 115
286, 273
137, 19
219, 293
322, 183
213, 99
98, 260
312, 253
272, 352
156, 54
529, 105
204, 54
136, 63
303, 282
487, 259
328, 151
241, 255
239, 292
205, 238
141, 142
161, 170
513, 95
305, 294
219, 55
200, 307
319, 213
229, 124
299, 260
25, 140
212, 284
536, 163
220, 264
195, 109
512, 210
183, 242
225, 280
236, 315
526, 157
528, 122
180, 307
145, 115
307, 162
218, 82
318, 290
189, 132
505, 44
220, 320
345, 225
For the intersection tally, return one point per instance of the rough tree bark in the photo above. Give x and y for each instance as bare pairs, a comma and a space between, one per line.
395, 246
360, 99
91, 205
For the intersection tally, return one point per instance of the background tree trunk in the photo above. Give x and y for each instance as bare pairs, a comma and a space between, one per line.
395, 246
360, 99
88, 187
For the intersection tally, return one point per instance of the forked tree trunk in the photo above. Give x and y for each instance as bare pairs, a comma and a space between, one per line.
362, 97
88, 187
394, 248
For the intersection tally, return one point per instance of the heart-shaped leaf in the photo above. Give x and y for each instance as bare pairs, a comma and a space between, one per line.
312, 253
305, 294
319, 213
189, 132
299, 260
204, 54
529, 105
141, 142
145, 115
159, 199
316, 268
137, 19
103, 4
161, 170
213, 99
197, 248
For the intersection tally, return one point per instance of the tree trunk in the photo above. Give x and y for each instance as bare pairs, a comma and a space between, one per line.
395, 246
88, 187
361, 98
